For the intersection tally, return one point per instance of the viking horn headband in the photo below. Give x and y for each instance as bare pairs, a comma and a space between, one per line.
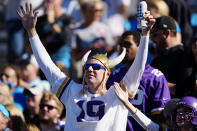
104, 60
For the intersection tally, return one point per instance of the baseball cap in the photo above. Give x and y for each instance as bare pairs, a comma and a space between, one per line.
28, 59
35, 90
164, 22
4, 111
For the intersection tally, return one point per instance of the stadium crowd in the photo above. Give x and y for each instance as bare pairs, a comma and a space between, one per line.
83, 65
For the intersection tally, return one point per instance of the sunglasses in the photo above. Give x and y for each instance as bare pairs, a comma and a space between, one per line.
94, 67
49, 107
184, 116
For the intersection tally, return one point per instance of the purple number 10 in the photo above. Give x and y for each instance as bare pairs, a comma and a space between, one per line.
90, 109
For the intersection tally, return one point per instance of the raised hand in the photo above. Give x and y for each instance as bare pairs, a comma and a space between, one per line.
150, 22
28, 19
121, 94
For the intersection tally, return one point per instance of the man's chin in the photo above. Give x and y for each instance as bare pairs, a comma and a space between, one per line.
45, 120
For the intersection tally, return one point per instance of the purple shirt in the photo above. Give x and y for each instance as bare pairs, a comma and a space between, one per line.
153, 93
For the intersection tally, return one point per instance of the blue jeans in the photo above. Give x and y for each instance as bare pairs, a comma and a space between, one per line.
15, 40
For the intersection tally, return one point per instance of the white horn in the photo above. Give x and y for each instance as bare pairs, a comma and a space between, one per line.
117, 60
85, 57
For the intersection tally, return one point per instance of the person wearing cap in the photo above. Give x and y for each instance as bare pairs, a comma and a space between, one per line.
33, 97
172, 59
30, 72
153, 92
4, 115
89, 106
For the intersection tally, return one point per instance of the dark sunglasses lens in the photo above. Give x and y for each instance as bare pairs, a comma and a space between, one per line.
86, 66
96, 67
42, 106
49, 107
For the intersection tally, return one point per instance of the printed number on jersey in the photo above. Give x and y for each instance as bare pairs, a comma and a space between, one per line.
91, 110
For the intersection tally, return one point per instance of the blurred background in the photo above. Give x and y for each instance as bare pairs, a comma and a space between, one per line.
126, 8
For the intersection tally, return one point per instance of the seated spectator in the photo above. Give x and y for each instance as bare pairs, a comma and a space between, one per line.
172, 59
50, 111
12, 76
4, 118
33, 97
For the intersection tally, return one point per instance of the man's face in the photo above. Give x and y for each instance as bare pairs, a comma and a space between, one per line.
158, 39
93, 76
33, 102
94, 13
131, 48
28, 71
49, 111
9, 75
3, 123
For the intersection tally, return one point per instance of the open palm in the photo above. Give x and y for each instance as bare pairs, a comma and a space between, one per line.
27, 17
122, 94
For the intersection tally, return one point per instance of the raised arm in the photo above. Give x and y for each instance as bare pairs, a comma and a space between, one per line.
29, 19
132, 78
142, 119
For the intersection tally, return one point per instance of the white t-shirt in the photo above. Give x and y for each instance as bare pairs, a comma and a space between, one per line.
91, 112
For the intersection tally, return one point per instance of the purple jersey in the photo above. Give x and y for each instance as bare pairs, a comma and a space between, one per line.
153, 93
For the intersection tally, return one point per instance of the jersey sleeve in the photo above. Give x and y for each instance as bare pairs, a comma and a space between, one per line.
161, 93
54, 75
132, 78
145, 122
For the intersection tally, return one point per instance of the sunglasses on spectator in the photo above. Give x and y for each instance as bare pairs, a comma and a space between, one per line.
49, 107
184, 116
94, 67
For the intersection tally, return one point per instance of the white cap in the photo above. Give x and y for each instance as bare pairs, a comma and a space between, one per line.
35, 90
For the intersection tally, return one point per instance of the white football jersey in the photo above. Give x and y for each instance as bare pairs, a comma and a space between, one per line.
91, 112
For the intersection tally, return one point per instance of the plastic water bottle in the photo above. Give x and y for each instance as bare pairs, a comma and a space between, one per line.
141, 9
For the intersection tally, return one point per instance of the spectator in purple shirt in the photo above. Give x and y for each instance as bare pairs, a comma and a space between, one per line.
153, 92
